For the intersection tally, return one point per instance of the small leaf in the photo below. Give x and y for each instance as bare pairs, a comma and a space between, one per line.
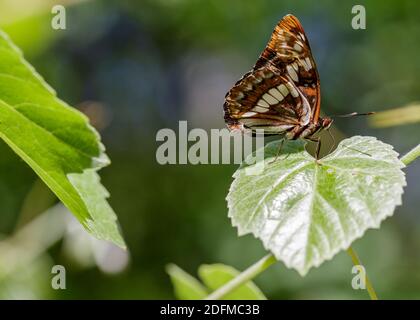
305, 211
216, 275
56, 141
186, 287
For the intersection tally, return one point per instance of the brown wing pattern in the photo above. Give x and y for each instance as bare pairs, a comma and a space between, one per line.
287, 60
264, 99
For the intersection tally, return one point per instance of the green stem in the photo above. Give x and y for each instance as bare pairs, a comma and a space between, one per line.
243, 278
356, 262
412, 155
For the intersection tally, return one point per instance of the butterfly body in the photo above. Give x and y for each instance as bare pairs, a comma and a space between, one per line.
281, 94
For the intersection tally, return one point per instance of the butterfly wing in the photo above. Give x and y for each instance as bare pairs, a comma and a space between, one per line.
290, 52
265, 99
288, 57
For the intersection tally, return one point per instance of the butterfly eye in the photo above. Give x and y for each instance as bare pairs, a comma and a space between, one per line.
326, 123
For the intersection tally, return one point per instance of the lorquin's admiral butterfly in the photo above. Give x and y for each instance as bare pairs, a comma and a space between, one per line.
281, 94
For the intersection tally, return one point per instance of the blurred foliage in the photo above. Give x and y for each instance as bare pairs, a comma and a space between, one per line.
213, 276
216, 275
186, 287
396, 117
148, 64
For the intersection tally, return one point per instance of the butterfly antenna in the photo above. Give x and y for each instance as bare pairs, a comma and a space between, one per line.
353, 114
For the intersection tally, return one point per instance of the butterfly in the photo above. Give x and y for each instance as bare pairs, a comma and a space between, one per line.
281, 94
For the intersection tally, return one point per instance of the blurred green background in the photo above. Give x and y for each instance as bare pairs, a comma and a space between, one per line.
137, 66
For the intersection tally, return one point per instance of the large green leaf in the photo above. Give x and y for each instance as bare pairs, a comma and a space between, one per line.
216, 275
56, 141
305, 211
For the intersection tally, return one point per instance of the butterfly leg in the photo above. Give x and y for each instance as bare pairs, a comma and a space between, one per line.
333, 141
333, 144
278, 152
318, 146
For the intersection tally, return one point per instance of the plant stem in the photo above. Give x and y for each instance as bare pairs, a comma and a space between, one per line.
243, 278
412, 155
356, 261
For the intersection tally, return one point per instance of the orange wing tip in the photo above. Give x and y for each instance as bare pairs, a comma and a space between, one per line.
290, 22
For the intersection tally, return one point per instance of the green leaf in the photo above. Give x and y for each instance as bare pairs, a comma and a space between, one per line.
56, 141
216, 275
186, 286
305, 211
